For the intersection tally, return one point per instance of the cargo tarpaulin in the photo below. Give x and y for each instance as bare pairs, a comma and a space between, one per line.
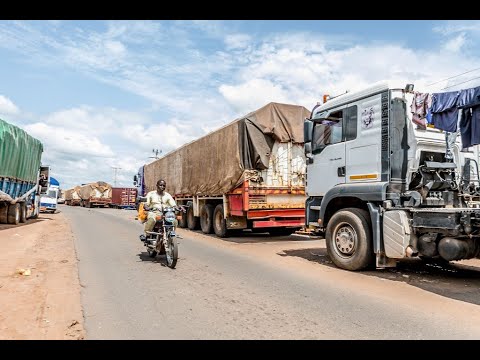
72, 194
20, 153
99, 189
216, 163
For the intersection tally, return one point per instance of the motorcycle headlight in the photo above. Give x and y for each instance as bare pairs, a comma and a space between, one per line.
170, 216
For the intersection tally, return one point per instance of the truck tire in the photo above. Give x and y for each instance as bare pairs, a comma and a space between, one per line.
219, 223
182, 223
23, 212
3, 213
206, 218
349, 239
192, 221
13, 216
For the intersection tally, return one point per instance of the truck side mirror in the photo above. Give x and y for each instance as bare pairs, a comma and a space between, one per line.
307, 147
307, 130
135, 180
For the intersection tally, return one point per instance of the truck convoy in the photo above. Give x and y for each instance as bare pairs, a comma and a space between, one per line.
381, 189
95, 194
249, 174
20, 166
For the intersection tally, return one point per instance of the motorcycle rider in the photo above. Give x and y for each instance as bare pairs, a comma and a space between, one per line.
154, 204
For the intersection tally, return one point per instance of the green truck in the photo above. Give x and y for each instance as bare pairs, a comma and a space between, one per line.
21, 174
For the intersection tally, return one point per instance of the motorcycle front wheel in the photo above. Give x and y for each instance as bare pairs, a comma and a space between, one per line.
171, 252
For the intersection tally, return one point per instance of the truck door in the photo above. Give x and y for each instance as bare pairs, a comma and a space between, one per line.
364, 144
328, 150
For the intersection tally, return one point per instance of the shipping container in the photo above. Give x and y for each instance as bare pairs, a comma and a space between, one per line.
124, 197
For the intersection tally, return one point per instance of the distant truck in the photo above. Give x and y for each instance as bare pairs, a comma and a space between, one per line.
95, 194
124, 198
49, 197
72, 197
249, 174
20, 166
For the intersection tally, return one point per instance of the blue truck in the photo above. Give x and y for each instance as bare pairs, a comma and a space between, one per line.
22, 176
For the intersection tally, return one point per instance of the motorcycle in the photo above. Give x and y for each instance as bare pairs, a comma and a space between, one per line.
161, 240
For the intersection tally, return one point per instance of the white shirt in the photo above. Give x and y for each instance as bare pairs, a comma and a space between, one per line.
157, 201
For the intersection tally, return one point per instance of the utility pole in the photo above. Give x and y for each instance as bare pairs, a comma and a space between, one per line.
156, 152
115, 175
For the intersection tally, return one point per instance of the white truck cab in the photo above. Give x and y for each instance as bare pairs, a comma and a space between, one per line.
380, 189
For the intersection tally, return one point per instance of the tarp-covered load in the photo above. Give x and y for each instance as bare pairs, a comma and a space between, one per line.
218, 162
20, 153
99, 189
72, 194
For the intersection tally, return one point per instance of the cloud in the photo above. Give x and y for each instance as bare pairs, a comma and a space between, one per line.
253, 94
455, 44
453, 27
61, 140
7, 106
237, 41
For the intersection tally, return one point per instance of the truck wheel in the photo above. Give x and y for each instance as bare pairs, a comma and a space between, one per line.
349, 239
3, 213
192, 221
219, 224
183, 221
206, 218
23, 212
13, 216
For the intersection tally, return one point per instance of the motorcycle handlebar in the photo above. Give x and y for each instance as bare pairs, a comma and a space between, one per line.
176, 208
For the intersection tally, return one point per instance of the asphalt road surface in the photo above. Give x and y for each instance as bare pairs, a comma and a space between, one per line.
259, 287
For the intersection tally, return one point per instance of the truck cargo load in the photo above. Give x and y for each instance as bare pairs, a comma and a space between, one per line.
20, 161
95, 194
252, 170
124, 198
72, 197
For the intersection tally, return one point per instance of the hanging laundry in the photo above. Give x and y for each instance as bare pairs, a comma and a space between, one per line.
420, 105
465, 125
469, 102
428, 118
445, 110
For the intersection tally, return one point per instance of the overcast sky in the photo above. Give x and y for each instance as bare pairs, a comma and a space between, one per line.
103, 94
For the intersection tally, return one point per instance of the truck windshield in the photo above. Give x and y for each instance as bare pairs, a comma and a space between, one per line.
52, 194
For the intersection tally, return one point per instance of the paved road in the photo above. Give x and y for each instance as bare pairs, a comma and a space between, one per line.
259, 287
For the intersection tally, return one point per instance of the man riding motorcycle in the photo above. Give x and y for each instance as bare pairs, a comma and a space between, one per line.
155, 201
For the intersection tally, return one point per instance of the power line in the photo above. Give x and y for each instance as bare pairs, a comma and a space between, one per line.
478, 77
451, 77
